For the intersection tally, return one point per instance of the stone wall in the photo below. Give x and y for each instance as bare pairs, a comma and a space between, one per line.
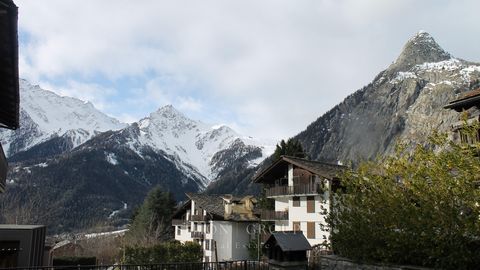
331, 262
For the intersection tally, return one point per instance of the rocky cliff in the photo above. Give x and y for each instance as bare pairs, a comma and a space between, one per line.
404, 102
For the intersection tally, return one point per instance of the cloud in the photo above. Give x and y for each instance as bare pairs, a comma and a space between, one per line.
269, 67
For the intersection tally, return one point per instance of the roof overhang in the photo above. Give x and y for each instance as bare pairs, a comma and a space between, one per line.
3, 170
9, 85
285, 160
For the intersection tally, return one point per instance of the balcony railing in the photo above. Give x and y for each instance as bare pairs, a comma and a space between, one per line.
198, 218
306, 189
178, 222
270, 215
198, 235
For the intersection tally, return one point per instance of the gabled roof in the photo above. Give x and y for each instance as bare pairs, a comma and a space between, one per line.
214, 205
466, 101
329, 171
288, 241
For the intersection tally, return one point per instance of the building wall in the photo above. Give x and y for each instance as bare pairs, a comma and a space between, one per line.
231, 238
223, 236
299, 214
240, 240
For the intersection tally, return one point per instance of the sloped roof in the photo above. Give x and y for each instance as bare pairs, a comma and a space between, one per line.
213, 204
466, 101
289, 241
323, 169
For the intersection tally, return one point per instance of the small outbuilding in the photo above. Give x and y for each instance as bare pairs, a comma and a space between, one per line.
287, 250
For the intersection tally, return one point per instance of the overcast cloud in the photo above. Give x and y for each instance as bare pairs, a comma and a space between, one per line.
267, 68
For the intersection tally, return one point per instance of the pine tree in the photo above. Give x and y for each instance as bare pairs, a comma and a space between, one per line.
152, 221
290, 148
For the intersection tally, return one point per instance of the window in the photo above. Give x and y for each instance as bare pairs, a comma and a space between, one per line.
310, 204
310, 230
189, 228
207, 259
296, 201
195, 227
207, 244
296, 226
207, 228
179, 231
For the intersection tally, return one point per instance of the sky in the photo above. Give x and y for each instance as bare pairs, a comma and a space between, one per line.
266, 68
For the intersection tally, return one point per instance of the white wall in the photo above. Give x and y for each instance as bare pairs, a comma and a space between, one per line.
240, 240
299, 214
222, 234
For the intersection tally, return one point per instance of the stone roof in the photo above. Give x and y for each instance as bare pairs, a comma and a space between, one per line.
327, 170
288, 241
213, 204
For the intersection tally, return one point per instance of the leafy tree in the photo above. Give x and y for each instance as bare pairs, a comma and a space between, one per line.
152, 221
290, 148
418, 207
166, 252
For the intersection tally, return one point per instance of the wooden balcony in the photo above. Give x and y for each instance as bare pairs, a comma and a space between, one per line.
198, 235
270, 215
198, 218
179, 222
306, 189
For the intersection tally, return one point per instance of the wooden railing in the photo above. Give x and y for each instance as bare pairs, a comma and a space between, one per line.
270, 215
198, 235
306, 189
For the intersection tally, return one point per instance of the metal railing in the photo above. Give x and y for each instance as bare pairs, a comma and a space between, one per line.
305, 189
270, 215
198, 218
230, 265
198, 235
178, 222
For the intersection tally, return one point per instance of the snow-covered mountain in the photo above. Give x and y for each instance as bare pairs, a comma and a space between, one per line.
51, 124
44, 115
191, 142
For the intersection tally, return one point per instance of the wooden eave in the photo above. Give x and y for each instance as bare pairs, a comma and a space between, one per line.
468, 100
299, 163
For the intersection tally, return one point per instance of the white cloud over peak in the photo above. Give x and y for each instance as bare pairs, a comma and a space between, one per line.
267, 67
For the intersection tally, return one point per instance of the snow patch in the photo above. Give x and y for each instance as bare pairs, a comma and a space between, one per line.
111, 158
102, 234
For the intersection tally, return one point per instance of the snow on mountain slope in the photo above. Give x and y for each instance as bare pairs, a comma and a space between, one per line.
44, 114
190, 141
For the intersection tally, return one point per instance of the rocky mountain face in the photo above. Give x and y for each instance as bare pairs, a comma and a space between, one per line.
72, 167
403, 103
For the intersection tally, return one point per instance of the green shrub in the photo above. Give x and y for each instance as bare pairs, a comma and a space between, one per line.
68, 261
166, 252
417, 207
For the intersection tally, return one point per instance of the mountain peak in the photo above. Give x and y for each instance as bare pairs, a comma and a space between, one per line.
421, 48
168, 111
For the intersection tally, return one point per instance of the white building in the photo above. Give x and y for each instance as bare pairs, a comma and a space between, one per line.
302, 193
222, 225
